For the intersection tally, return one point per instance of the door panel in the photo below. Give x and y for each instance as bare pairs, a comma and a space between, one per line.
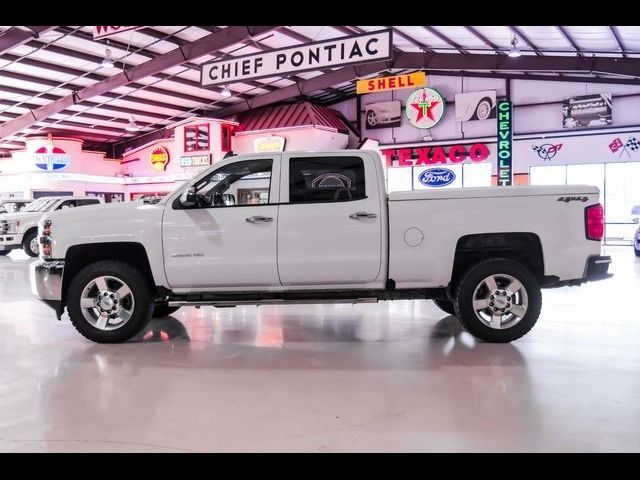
220, 244
215, 247
322, 242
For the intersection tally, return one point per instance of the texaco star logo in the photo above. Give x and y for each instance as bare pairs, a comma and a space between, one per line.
425, 108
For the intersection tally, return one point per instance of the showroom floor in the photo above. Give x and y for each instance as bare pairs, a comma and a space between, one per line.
396, 376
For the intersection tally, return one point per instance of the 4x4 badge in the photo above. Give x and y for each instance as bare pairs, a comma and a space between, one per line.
573, 199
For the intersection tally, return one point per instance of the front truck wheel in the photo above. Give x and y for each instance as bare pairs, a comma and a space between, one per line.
498, 300
30, 243
445, 305
109, 301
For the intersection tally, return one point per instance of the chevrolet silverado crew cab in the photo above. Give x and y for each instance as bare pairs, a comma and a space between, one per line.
20, 229
318, 227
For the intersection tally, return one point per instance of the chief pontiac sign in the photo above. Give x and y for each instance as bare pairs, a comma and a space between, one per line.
366, 47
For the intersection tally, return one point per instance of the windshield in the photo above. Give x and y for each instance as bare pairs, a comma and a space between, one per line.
40, 205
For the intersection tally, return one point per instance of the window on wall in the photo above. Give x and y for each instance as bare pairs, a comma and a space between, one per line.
196, 138
227, 132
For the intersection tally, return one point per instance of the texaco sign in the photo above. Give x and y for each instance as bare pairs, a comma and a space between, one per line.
425, 108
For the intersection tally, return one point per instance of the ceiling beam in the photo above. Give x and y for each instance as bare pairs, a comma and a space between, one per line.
212, 42
445, 39
48, 96
486, 41
521, 34
412, 40
618, 37
565, 34
14, 37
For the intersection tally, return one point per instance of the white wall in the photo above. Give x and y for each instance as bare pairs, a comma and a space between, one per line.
527, 119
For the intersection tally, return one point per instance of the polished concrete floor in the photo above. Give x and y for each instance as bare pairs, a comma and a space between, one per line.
399, 376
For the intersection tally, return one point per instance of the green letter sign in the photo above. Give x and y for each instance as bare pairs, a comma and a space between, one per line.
504, 143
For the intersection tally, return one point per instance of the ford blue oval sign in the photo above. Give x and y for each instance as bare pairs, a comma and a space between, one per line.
437, 177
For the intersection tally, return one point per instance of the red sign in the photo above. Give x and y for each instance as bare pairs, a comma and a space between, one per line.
107, 31
410, 156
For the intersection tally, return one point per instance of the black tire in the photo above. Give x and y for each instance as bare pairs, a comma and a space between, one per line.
162, 309
141, 293
474, 278
372, 118
445, 305
4, 252
637, 251
26, 243
485, 102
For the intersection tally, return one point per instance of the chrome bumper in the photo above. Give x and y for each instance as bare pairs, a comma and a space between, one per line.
46, 279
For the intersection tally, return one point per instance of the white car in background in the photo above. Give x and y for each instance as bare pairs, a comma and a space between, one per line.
13, 205
635, 213
475, 105
20, 230
383, 113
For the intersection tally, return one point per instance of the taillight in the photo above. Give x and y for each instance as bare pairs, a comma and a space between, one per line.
46, 228
45, 239
594, 222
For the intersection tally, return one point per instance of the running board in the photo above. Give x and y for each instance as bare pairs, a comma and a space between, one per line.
228, 304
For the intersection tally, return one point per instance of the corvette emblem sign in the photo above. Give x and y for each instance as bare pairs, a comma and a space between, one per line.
425, 108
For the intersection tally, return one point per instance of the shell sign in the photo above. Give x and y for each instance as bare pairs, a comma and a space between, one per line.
50, 158
159, 158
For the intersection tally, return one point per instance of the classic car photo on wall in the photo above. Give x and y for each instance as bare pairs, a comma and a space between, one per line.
475, 106
383, 114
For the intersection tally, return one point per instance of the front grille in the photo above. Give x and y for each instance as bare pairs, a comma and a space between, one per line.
4, 227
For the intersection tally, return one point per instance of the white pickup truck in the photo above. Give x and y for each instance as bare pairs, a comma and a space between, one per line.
20, 229
318, 227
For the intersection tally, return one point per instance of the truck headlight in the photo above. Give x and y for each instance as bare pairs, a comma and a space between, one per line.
44, 239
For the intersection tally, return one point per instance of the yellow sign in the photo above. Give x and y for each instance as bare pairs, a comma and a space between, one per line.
159, 158
380, 84
269, 144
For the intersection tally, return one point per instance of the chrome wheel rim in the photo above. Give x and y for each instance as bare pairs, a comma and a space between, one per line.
483, 110
33, 246
372, 118
107, 303
500, 301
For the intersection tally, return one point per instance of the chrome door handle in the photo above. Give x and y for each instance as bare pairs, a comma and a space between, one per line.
362, 215
259, 219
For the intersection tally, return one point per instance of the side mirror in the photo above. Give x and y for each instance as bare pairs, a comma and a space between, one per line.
228, 199
188, 197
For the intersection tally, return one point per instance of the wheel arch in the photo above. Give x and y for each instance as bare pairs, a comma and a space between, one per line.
523, 247
79, 256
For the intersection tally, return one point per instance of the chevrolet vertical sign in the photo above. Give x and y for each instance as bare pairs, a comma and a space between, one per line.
504, 143
367, 47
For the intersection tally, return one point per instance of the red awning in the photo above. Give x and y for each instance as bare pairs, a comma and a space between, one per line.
292, 115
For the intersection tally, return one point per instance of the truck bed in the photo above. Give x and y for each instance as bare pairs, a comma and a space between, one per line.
493, 192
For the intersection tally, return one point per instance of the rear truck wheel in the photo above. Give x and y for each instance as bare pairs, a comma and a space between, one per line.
498, 300
110, 301
162, 309
30, 243
637, 251
445, 305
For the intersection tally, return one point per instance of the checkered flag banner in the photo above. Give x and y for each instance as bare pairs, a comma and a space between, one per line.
633, 144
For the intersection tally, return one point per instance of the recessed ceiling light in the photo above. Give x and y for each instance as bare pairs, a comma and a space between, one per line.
226, 93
